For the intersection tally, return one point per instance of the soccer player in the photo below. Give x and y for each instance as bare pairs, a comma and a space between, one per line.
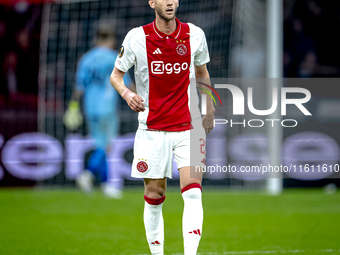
167, 54
100, 108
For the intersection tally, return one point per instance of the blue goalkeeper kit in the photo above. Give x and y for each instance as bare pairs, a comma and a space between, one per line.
101, 106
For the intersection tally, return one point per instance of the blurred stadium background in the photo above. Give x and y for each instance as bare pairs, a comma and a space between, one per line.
41, 43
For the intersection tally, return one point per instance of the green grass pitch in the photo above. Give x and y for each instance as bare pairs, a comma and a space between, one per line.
65, 221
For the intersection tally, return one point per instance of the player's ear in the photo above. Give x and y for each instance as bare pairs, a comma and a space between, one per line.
152, 4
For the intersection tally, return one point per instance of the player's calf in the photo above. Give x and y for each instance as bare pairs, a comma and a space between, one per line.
154, 196
192, 217
154, 224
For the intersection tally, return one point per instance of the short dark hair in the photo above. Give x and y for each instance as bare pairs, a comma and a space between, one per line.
105, 32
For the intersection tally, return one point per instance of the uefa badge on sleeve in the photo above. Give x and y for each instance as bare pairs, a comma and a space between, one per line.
142, 166
121, 51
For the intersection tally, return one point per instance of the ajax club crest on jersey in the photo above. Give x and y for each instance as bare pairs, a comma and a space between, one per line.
181, 49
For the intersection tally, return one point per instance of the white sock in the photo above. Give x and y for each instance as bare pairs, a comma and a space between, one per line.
154, 225
192, 217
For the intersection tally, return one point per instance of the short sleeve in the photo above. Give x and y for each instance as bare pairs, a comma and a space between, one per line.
202, 53
126, 57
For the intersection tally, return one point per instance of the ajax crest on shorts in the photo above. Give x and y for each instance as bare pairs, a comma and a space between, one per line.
142, 166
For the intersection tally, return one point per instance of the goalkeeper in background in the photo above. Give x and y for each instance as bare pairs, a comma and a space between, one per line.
101, 109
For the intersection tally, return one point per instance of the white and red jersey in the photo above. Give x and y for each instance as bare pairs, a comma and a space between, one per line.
164, 65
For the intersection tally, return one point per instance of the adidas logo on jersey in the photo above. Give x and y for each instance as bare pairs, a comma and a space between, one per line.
158, 51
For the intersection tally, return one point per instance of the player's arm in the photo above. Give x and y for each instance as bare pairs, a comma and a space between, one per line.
79, 87
73, 118
202, 75
77, 94
132, 99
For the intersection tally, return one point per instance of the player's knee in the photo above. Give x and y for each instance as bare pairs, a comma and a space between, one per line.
155, 188
155, 192
192, 191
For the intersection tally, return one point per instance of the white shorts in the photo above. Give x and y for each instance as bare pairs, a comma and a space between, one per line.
154, 151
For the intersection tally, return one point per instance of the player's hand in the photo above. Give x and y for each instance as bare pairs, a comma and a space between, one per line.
73, 118
208, 122
133, 100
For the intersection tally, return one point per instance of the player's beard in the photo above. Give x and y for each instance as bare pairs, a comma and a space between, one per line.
163, 15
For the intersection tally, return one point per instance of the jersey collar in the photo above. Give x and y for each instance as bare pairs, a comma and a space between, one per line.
173, 35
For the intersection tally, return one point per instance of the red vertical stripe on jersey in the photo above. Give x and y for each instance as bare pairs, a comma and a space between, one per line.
169, 58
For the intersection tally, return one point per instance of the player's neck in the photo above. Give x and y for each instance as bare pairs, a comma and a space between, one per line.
106, 45
166, 27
